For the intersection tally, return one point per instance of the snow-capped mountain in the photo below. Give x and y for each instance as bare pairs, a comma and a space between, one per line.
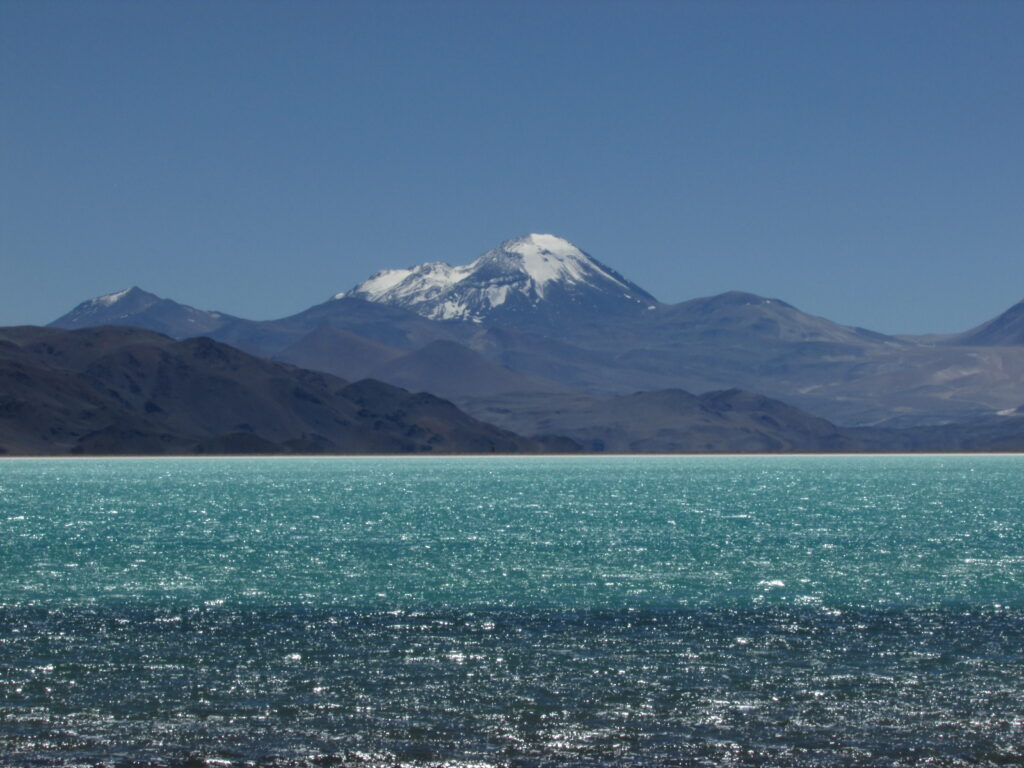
134, 306
539, 275
106, 310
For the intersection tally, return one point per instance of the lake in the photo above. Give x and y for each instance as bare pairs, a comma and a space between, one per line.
537, 611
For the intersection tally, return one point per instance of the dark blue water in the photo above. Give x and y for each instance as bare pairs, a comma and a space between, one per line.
781, 611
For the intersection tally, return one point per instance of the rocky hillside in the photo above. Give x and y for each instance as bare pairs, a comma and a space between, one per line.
113, 390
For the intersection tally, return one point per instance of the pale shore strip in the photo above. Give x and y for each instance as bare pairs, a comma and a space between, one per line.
527, 456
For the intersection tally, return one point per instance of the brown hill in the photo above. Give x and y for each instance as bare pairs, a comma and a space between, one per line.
126, 391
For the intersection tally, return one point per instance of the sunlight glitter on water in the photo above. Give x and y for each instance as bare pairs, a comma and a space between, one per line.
513, 613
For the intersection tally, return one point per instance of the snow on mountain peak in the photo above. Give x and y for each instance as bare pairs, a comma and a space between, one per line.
107, 309
398, 283
111, 298
547, 258
519, 271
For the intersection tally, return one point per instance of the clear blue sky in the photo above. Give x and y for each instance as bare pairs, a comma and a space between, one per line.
861, 160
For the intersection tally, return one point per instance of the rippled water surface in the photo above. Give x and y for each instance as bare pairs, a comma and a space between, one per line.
656, 611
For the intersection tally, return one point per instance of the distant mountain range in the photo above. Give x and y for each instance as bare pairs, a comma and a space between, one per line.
730, 421
121, 390
538, 316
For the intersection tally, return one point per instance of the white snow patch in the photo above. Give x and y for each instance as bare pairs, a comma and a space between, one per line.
379, 283
399, 286
496, 294
451, 310
111, 298
428, 280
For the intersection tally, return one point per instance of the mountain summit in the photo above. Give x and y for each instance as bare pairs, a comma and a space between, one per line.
108, 309
136, 307
541, 275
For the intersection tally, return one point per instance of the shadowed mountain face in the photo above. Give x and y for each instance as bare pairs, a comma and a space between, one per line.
125, 390
541, 315
1003, 331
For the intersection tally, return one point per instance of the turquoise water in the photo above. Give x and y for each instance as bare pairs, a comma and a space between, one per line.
523, 612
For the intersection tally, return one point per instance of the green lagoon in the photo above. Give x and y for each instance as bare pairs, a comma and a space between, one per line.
540, 611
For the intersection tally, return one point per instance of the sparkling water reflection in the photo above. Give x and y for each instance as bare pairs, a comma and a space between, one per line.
526, 612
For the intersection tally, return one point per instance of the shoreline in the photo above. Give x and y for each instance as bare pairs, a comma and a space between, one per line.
437, 456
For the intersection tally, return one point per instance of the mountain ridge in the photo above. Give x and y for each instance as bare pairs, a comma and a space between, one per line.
116, 390
134, 306
125, 390
593, 331
1006, 329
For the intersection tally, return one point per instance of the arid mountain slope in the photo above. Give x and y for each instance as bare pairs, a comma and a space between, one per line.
125, 390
